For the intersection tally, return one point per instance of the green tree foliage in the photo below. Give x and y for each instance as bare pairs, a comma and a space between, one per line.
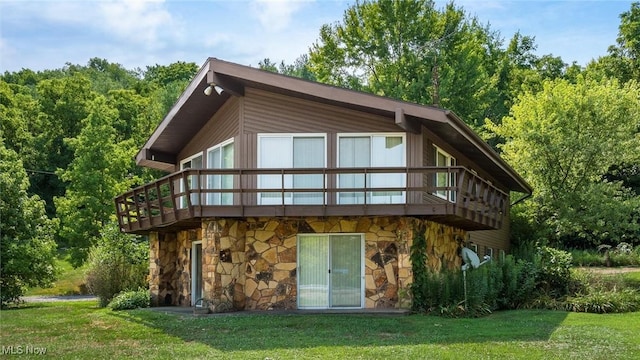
63, 103
166, 83
410, 50
98, 172
17, 111
27, 248
563, 139
177, 72
300, 67
44, 118
623, 59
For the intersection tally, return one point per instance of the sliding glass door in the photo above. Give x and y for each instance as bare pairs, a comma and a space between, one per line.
287, 151
193, 181
375, 150
330, 271
220, 157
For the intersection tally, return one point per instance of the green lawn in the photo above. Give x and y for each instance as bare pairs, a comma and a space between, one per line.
70, 281
81, 330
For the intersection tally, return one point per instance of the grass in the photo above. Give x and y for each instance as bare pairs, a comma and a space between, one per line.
70, 281
81, 330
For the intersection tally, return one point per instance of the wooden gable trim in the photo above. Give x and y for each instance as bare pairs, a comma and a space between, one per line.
406, 124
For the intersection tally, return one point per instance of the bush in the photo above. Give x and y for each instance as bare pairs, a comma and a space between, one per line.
546, 282
117, 263
587, 258
621, 255
603, 301
554, 271
443, 293
519, 283
128, 300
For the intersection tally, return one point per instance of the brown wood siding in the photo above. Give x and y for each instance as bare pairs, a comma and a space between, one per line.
495, 239
266, 112
221, 127
427, 160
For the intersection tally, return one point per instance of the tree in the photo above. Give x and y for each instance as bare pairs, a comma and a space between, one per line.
409, 50
63, 103
563, 139
98, 172
299, 68
623, 59
27, 248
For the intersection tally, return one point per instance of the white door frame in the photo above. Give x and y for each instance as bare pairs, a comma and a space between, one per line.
194, 269
362, 271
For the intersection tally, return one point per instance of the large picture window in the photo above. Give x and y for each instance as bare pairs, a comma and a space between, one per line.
371, 150
220, 157
445, 181
286, 151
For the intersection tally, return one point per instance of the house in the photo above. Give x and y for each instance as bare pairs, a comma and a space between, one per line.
289, 194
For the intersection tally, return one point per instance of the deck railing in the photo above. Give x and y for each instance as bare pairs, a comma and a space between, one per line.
453, 195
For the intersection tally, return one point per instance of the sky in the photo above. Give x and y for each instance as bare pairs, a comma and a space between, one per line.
43, 34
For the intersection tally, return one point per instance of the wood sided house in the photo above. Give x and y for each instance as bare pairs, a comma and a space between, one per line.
289, 194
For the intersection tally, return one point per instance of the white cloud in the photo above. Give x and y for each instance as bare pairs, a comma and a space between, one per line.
143, 22
130, 21
275, 15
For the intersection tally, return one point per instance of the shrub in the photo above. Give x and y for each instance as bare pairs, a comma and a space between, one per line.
622, 254
519, 283
128, 300
554, 272
587, 258
603, 301
117, 263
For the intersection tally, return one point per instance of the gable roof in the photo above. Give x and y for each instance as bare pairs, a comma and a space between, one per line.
193, 109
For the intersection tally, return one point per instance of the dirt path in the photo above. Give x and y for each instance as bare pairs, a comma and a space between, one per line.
611, 270
50, 298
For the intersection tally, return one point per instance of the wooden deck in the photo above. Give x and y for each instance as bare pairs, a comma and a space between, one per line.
181, 199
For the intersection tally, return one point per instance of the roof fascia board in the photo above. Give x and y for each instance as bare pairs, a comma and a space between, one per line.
233, 89
406, 124
323, 91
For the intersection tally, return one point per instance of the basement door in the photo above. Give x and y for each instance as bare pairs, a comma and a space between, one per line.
196, 272
330, 271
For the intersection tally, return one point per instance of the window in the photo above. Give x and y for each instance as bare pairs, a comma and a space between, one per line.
220, 157
371, 150
286, 151
193, 182
445, 181
488, 251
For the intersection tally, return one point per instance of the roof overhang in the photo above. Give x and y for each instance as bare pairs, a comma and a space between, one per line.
193, 109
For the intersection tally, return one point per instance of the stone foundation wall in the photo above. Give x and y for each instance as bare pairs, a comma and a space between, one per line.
250, 264
162, 270
271, 264
224, 263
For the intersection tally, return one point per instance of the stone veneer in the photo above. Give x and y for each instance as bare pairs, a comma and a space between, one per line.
250, 264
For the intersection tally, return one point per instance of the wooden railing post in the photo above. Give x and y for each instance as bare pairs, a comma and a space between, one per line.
477, 204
